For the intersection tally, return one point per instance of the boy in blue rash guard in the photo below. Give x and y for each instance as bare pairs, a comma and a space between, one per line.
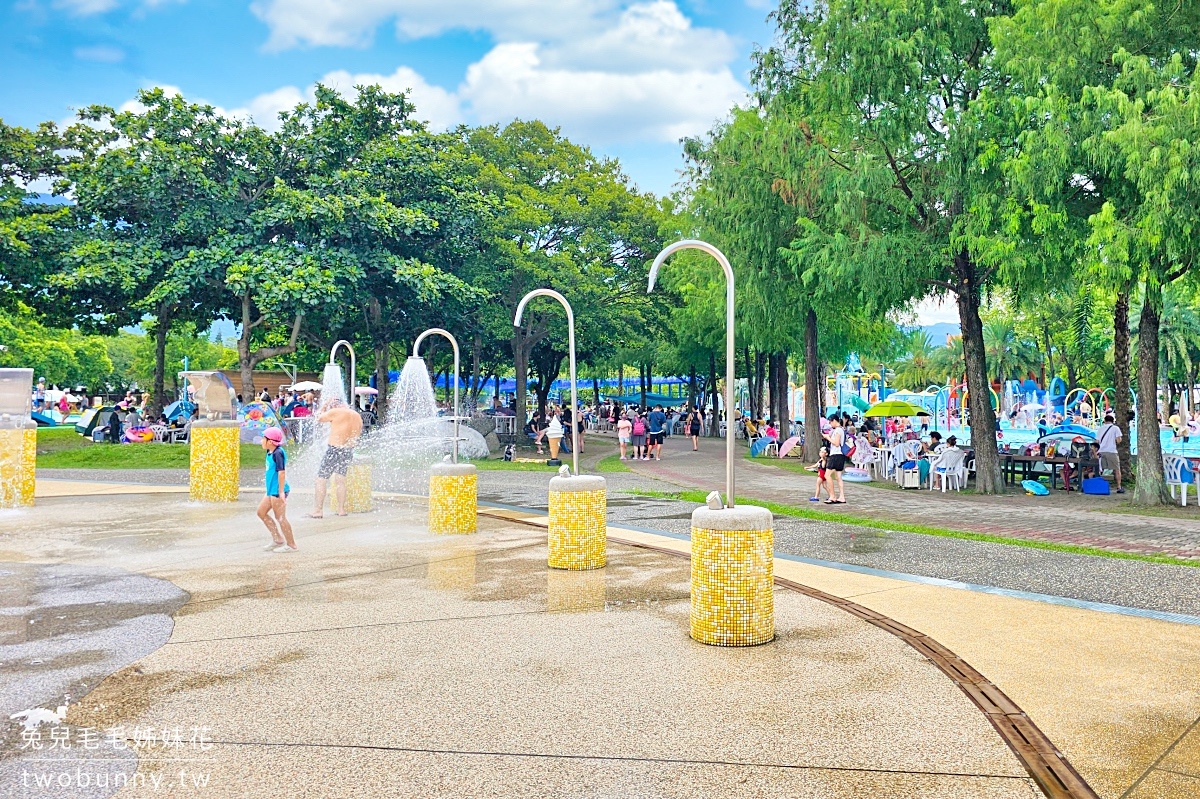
277, 492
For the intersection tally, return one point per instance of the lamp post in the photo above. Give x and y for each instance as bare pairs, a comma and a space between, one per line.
359, 496
453, 486
577, 535
437, 331
733, 547
570, 355
692, 244
353, 367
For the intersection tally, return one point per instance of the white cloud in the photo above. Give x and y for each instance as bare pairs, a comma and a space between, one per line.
598, 106
351, 24
602, 72
436, 106
607, 72
653, 35
102, 53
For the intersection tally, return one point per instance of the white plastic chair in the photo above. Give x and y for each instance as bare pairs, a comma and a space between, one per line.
864, 454
160, 432
1174, 469
949, 466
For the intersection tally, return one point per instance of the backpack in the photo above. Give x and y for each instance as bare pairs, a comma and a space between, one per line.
639, 427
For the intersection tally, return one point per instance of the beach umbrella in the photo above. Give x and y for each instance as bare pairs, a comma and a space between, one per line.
896, 408
760, 446
366, 391
788, 446
307, 385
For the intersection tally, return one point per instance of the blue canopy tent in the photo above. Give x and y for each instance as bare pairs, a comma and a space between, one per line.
651, 399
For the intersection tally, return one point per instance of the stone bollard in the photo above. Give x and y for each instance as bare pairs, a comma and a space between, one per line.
18, 466
578, 532
453, 504
359, 498
733, 574
215, 461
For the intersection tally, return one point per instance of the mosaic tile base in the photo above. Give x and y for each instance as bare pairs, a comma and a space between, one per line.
733, 574
358, 488
578, 531
215, 464
453, 504
18, 467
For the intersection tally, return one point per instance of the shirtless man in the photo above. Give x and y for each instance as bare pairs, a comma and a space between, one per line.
345, 427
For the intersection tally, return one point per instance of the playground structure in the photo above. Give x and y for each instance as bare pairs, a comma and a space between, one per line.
852, 389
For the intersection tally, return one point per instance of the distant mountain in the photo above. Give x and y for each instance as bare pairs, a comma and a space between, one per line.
48, 199
937, 333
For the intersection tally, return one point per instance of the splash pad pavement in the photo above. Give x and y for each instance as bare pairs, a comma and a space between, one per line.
382, 660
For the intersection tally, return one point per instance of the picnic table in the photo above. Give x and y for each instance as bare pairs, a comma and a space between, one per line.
1027, 463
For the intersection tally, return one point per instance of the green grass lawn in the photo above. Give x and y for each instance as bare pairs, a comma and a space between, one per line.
779, 509
610, 464
63, 448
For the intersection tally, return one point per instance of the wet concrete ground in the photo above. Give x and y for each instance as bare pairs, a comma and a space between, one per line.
380, 660
1130, 583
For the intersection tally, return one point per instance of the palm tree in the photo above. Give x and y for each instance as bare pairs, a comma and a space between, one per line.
1008, 355
915, 371
948, 363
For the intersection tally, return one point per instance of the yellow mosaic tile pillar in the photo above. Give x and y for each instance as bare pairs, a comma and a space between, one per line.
359, 498
18, 467
215, 461
453, 502
733, 574
578, 532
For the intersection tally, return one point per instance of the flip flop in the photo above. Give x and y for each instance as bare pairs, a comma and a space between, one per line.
313, 516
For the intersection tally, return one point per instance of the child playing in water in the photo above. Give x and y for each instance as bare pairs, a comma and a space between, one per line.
820, 465
277, 492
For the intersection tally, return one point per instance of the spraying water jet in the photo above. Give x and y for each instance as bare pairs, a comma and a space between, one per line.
453, 486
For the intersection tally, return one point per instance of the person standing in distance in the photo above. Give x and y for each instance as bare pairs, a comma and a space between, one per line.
1107, 437
275, 501
836, 463
657, 422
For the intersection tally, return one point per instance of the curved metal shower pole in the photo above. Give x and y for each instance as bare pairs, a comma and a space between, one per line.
694, 244
571, 356
353, 367
453, 345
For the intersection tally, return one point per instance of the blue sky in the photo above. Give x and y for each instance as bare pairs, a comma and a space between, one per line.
627, 78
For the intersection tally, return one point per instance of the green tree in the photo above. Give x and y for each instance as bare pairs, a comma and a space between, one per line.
566, 219
915, 371
1009, 355
881, 96
1103, 149
31, 230
152, 187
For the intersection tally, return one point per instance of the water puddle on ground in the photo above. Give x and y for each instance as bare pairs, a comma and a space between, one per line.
64, 629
